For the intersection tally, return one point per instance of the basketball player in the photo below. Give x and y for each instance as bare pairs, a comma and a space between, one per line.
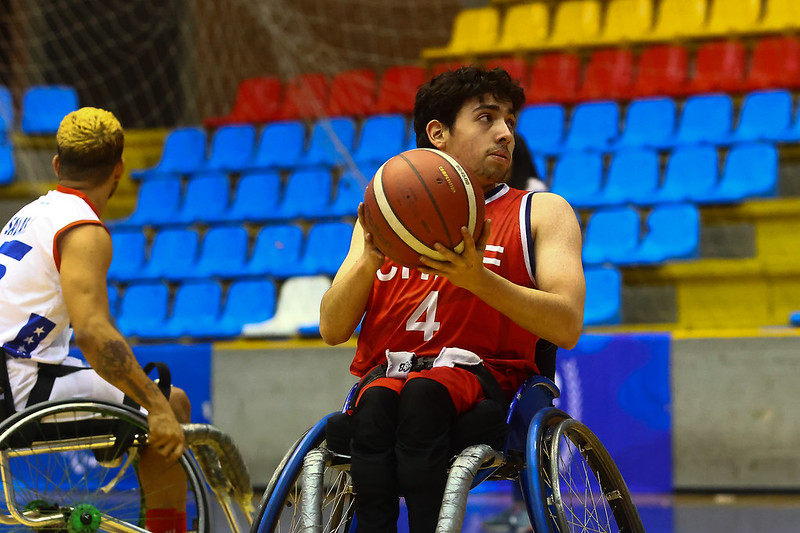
54, 256
472, 321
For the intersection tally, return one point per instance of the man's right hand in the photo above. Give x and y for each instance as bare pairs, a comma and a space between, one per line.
166, 434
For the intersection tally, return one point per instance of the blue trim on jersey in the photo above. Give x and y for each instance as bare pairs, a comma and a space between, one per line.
526, 236
496, 193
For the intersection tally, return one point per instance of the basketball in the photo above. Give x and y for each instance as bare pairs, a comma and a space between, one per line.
418, 198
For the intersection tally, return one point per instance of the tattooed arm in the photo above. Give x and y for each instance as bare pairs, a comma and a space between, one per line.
85, 257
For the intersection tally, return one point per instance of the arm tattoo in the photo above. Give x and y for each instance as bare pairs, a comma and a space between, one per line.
115, 363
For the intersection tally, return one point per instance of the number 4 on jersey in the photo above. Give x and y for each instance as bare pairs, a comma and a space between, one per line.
429, 326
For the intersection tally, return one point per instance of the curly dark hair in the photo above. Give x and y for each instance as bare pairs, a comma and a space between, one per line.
442, 97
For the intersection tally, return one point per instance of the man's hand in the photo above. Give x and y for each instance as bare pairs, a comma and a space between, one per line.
370, 253
166, 434
463, 270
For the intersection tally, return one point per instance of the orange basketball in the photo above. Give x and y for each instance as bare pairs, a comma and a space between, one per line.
418, 198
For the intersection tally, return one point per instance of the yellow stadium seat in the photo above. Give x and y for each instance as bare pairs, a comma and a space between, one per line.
627, 21
781, 15
733, 16
473, 30
525, 27
577, 22
680, 18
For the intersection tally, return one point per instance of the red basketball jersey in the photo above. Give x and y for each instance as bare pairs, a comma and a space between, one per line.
410, 311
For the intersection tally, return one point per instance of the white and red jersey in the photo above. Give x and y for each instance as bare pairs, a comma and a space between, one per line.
34, 323
410, 311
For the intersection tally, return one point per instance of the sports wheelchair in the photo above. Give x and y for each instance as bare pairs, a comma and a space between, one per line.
568, 479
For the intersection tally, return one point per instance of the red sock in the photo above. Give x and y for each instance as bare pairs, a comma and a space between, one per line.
180, 521
165, 521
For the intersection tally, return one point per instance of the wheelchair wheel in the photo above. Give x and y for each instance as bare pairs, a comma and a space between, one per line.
279, 510
587, 490
59, 456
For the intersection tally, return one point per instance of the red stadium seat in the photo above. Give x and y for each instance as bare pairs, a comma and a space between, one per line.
398, 89
305, 97
554, 78
662, 70
774, 64
257, 101
718, 66
352, 93
516, 67
609, 75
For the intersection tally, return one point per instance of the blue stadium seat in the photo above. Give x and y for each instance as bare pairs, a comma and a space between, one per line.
542, 126
143, 310
281, 146
231, 148
195, 311
705, 119
751, 170
184, 152
633, 177
331, 143
648, 123
6, 113
326, 246
256, 197
158, 203
223, 252
411, 138
794, 318
276, 251
603, 296
7, 168
349, 192
44, 106
673, 232
578, 177
129, 254
248, 301
594, 126
297, 308
206, 199
307, 195
611, 235
172, 255
765, 116
113, 300
382, 137
691, 173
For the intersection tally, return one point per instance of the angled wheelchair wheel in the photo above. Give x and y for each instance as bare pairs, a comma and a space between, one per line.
68, 465
587, 492
332, 499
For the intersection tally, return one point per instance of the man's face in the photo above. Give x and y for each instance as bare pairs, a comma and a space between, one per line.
482, 139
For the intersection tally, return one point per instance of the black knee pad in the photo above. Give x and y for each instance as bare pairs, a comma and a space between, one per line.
374, 419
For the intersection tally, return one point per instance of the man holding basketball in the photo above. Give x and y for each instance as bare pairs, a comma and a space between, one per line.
471, 321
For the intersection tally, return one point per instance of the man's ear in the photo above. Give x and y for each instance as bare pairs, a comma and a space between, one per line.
437, 134
56, 164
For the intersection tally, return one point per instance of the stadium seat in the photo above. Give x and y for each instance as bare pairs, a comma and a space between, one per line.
542, 126
626, 21
554, 78
6, 113
113, 301
578, 177
633, 177
774, 64
44, 106
719, 66
256, 197
257, 101
223, 253
733, 17
143, 310
128, 256
276, 251
297, 307
677, 19
444, 66
206, 200
307, 195
248, 300
649, 123
331, 143
352, 93
7, 168
611, 235
603, 296
350, 192
794, 318
326, 246
525, 27
706, 118
765, 116
662, 70
184, 152
172, 255
281, 146
780, 15
576, 22
691, 173
673, 232
195, 310
474, 30
231, 148
158, 202
305, 97
594, 126
382, 137
398, 89
608, 75
516, 67
750, 171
